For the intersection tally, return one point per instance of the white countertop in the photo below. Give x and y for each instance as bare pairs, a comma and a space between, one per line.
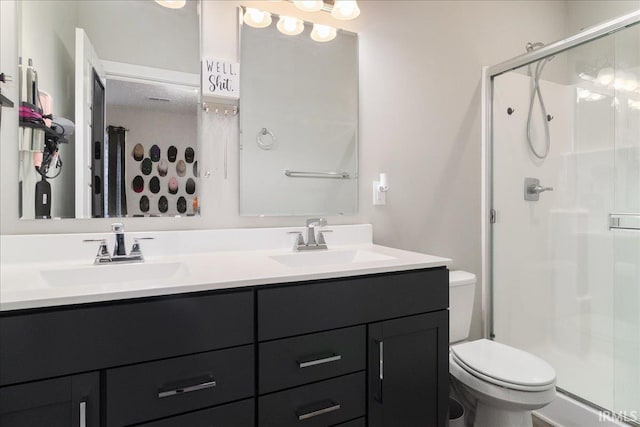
24, 284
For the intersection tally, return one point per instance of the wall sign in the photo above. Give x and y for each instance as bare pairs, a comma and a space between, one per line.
220, 78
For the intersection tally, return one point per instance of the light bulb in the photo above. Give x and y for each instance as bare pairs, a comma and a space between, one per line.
257, 18
630, 83
345, 9
290, 26
620, 81
309, 5
172, 4
323, 33
605, 76
583, 93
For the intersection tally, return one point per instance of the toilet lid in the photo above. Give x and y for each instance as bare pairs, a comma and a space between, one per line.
503, 363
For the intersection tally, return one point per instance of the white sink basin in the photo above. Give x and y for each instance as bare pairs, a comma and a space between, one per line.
329, 257
113, 273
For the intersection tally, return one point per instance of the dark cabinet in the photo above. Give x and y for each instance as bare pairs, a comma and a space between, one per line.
408, 371
239, 414
364, 351
313, 334
72, 401
154, 390
322, 404
305, 359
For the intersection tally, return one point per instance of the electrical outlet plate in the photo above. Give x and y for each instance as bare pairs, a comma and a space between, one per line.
379, 197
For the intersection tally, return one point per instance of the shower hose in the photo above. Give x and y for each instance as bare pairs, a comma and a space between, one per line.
537, 93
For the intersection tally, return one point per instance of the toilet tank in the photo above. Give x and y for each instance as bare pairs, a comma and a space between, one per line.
461, 294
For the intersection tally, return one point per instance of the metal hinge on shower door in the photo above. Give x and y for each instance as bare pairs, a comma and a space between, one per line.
492, 216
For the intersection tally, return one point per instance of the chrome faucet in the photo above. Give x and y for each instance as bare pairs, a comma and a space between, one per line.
119, 250
313, 242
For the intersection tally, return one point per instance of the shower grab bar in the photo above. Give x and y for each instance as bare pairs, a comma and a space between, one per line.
302, 174
624, 221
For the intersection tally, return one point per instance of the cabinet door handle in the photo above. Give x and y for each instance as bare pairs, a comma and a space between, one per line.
175, 390
324, 407
83, 414
319, 360
380, 378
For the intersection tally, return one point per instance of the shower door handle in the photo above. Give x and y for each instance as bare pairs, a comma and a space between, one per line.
624, 221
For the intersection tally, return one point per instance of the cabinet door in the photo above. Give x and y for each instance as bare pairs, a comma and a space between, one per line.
71, 401
408, 371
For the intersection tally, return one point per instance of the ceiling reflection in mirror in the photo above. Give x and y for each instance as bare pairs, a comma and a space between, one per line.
108, 115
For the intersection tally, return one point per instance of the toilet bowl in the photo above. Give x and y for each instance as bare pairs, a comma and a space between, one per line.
498, 384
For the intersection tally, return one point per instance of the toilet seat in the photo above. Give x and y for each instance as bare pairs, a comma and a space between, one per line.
504, 366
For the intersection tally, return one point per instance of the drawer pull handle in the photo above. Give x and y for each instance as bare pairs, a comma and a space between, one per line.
83, 414
166, 392
324, 407
319, 360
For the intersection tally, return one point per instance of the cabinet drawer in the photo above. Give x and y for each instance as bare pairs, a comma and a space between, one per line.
239, 414
95, 337
326, 403
159, 389
331, 304
355, 423
295, 361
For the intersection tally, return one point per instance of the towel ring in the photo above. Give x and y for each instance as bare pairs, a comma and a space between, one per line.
265, 145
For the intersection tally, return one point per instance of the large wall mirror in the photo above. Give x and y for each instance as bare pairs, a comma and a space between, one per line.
109, 111
298, 122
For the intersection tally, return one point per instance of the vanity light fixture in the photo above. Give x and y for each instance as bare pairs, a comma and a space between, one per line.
309, 5
257, 18
290, 26
323, 33
345, 9
172, 4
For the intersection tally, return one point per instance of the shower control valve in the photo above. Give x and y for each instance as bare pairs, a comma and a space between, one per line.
532, 189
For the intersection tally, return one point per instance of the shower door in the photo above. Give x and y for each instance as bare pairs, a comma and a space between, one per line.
565, 269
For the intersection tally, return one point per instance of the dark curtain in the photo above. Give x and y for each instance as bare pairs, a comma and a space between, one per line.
116, 185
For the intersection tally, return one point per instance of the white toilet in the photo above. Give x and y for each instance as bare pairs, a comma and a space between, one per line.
498, 385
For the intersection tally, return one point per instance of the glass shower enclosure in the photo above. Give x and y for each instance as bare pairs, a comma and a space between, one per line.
564, 193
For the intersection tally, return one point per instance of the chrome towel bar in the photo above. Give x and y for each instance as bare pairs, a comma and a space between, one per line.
301, 174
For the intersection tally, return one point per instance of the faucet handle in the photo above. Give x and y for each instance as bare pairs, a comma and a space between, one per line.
117, 227
103, 250
135, 250
321, 240
299, 238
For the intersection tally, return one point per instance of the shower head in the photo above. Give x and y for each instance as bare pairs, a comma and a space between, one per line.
537, 45
532, 46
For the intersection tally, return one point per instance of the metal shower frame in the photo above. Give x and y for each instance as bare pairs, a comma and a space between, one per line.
488, 213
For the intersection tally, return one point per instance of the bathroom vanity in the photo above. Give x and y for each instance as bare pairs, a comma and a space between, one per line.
367, 347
